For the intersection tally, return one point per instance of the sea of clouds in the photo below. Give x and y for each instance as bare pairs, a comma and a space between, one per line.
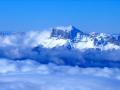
21, 47
26, 65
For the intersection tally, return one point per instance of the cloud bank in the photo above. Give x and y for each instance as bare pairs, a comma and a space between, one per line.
26, 46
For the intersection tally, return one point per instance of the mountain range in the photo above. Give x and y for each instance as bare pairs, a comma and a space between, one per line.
70, 36
65, 45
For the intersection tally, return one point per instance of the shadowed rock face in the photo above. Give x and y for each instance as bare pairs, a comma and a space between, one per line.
65, 33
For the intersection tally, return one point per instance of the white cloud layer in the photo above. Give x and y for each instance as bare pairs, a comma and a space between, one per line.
26, 65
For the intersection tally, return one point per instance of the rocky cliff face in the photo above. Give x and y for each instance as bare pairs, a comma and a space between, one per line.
93, 39
69, 32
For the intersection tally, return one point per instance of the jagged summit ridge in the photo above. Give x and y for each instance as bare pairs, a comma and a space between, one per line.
68, 32
82, 40
63, 36
65, 28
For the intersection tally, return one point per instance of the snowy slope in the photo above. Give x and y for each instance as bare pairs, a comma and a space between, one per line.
81, 40
69, 35
62, 36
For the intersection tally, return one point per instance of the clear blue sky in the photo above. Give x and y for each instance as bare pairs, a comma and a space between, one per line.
88, 15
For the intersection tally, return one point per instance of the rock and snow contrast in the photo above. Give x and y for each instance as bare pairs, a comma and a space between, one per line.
60, 58
62, 36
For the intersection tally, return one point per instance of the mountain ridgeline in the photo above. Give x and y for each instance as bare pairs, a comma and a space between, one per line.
76, 35
70, 33
63, 46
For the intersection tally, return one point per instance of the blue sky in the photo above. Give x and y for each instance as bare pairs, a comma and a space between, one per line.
88, 15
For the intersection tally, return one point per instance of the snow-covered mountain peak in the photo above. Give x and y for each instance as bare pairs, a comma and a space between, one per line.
68, 28
64, 36
66, 32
